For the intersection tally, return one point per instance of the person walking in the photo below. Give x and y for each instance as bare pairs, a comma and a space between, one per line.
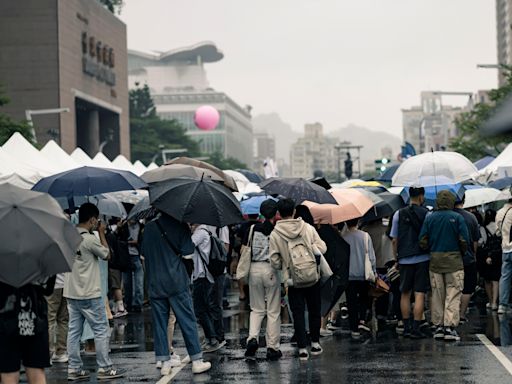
58, 322
504, 223
166, 244
82, 289
290, 241
413, 262
264, 286
134, 280
445, 234
361, 247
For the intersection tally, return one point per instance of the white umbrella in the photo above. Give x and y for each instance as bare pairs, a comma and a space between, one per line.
480, 196
434, 168
109, 206
241, 181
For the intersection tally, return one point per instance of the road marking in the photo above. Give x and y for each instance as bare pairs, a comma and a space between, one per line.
167, 379
507, 364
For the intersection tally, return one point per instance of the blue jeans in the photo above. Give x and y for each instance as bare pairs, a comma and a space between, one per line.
506, 279
92, 310
181, 304
134, 285
204, 306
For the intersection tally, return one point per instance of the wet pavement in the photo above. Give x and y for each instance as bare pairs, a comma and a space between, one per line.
384, 359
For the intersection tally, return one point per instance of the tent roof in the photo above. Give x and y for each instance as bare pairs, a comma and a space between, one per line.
504, 159
139, 168
10, 166
81, 157
100, 160
152, 166
59, 158
25, 153
123, 163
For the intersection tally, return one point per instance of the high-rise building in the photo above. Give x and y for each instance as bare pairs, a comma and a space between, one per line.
313, 152
179, 85
264, 148
504, 34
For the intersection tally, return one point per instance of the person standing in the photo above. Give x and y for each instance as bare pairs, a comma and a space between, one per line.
295, 233
134, 280
469, 259
58, 322
82, 289
504, 223
166, 245
264, 286
413, 261
445, 234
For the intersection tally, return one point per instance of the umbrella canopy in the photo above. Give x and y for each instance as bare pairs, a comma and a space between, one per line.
434, 168
251, 206
173, 171
196, 201
109, 206
240, 179
88, 181
352, 204
228, 180
129, 197
480, 196
37, 240
297, 189
484, 162
390, 203
504, 182
432, 191
321, 181
142, 210
253, 177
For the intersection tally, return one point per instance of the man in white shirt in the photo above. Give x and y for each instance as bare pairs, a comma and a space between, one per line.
504, 223
82, 288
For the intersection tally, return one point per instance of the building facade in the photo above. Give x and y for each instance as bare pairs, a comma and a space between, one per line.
72, 56
504, 34
178, 84
313, 152
264, 147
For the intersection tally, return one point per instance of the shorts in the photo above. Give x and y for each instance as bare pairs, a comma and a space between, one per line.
415, 277
470, 279
114, 278
32, 351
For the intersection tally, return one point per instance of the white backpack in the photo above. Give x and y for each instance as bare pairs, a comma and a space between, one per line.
303, 268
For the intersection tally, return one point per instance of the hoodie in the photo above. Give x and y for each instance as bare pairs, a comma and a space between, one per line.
278, 247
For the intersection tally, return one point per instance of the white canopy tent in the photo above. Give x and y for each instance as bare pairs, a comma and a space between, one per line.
503, 161
121, 162
100, 160
81, 157
139, 168
152, 166
17, 173
57, 156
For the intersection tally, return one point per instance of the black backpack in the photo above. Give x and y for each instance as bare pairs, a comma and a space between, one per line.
218, 257
120, 258
493, 245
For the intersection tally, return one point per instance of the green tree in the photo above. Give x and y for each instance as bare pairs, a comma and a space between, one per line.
470, 142
217, 159
149, 133
113, 6
8, 126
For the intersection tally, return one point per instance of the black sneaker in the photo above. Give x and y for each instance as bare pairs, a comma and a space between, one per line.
78, 374
252, 347
110, 373
315, 351
463, 320
417, 334
450, 334
273, 354
439, 333
407, 330
303, 354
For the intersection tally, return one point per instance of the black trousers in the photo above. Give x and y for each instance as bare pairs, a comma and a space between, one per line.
298, 299
357, 302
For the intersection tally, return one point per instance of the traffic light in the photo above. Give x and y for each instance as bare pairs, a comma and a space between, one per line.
381, 164
348, 168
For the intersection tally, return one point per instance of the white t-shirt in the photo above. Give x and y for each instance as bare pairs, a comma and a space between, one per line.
201, 239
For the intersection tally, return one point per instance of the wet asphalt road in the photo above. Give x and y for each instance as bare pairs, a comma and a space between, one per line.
385, 359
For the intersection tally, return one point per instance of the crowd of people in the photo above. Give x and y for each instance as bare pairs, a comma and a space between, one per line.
430, 259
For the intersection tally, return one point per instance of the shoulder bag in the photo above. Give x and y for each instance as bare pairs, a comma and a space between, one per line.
244, 263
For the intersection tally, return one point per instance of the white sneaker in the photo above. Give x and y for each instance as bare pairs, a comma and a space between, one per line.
185, 360
325, 332
502, 310
159, 364
64, 358
200, 366
166, 368
175, 360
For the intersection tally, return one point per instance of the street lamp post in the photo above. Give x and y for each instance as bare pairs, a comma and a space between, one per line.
30, 112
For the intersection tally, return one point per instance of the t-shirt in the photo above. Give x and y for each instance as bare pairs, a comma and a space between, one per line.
133, 230
394, 234
203, 244
358, 241
84, 282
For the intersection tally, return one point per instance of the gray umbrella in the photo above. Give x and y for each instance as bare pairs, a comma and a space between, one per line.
173, 171
37, 240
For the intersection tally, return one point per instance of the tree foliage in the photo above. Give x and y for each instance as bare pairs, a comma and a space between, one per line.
217, 159
9, 126
470, 142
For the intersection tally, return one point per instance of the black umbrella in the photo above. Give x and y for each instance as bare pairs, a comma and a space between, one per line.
196, 201
297, 189
253, 177
142, 210
321, 181
390, 204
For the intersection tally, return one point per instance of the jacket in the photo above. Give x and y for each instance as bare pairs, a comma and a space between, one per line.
278, 246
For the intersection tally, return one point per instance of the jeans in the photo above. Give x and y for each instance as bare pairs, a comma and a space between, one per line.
204, 306
506, 279
218, 315
92, 310
299, 298
181, 305
357, 303
134, 285
57, 321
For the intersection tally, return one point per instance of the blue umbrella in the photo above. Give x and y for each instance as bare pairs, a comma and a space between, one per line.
432, 191
253, 177
251, 206
502, 183
88, 181
483, 162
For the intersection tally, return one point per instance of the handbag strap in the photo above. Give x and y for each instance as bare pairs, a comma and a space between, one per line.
169, 243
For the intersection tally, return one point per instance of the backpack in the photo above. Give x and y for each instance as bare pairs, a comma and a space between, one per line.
120, 258
303, 267
492, 245
217, 260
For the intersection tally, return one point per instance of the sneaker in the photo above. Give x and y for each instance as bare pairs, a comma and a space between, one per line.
303, 354
273, 354
502, 309
175, 360
463, 320
222, 343
204, 343
325, 332
316, 349
159, 364
450, 334
494, 308
407, 331
63, 358
488, 305
331, 326
112, 373
400, 327
212, 347
225, 304
252, 347
166, 368
439, 333
417, 334
392, 320
363, 327
119, 314
200, 366
344, 312
185, 360
355, 335
78, 374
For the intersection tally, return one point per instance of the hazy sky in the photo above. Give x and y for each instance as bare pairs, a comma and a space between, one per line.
332, 61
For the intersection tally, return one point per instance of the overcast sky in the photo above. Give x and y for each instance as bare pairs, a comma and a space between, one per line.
332, 61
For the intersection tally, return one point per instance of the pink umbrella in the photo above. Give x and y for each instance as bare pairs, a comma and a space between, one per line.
352, 204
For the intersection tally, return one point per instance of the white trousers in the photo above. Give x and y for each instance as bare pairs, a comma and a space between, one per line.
265, 300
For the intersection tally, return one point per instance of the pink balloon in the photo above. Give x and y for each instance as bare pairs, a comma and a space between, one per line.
206, 118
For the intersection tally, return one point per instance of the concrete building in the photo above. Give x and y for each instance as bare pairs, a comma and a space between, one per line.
179, 85
431, 124
264, 147
67, 54
504, 34
313, 152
